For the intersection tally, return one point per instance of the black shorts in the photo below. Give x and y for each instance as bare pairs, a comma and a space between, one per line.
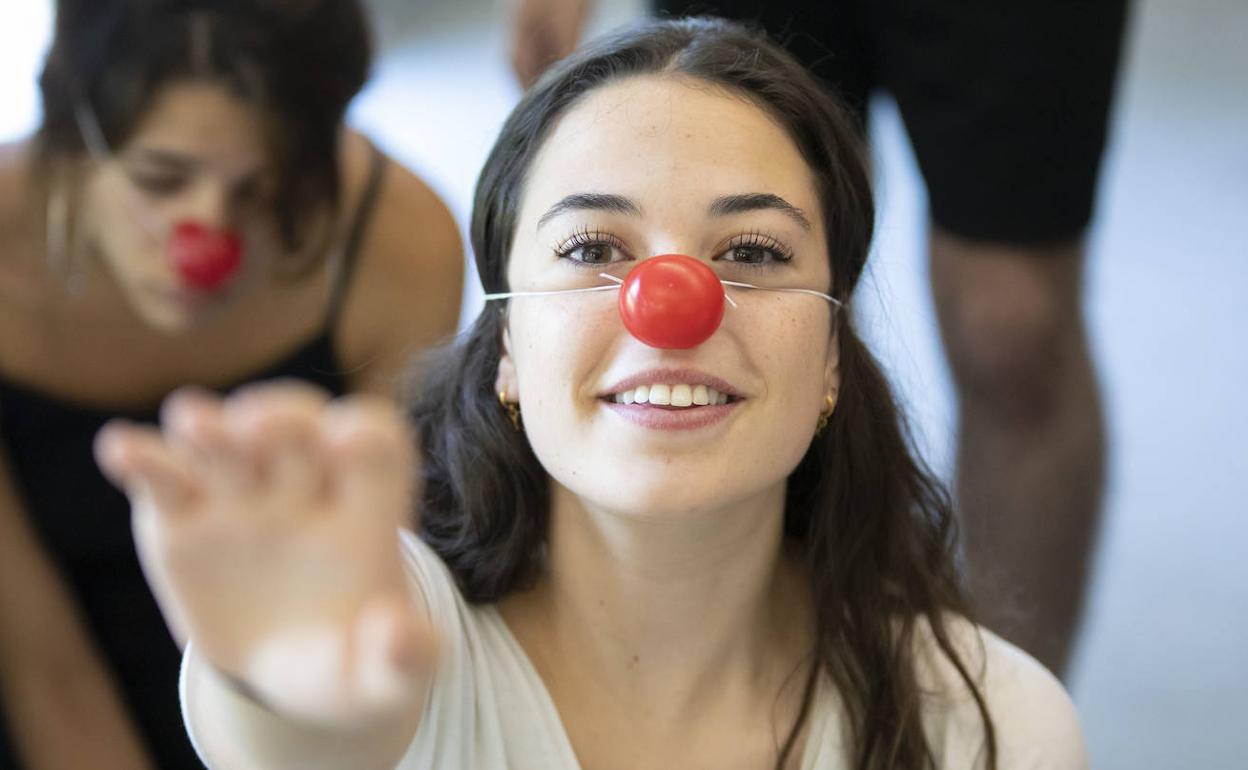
1006, 101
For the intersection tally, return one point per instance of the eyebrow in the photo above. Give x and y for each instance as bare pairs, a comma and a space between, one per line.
722, 206
618, 204
163, 158
736, 204
179, 163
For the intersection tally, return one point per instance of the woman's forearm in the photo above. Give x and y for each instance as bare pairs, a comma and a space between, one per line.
62, 706
69, 714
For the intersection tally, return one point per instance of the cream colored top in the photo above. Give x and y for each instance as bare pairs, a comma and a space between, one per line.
489, 710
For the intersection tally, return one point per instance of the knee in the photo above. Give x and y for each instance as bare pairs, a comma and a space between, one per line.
1009, 348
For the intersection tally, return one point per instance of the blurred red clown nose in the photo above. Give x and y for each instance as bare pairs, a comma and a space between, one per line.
205, 258
672, 301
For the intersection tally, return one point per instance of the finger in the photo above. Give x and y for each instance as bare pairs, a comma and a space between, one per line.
194, 421
278, 427
140, 462
394, 649
273, 391
370, 455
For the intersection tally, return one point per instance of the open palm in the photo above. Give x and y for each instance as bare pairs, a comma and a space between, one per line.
267, 526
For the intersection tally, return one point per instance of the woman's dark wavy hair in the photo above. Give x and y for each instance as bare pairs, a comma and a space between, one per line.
875, 528
298, 62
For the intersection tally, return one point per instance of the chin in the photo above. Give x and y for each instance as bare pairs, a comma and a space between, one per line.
640, 482
169, 323
669, 498
176, 310
173, 318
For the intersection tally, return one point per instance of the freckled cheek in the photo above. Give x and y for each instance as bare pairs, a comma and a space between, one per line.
556, 348
790, 350
556, 351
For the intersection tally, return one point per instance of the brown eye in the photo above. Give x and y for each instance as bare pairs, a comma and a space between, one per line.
158, 184
749, 254
593, 254
755, 249
592, 248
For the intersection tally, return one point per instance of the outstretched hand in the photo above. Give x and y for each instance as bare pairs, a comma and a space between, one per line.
267, 524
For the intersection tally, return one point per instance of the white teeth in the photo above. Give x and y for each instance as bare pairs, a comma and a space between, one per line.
700, 395
679, 395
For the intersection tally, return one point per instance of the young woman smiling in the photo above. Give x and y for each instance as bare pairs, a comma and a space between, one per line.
744, 567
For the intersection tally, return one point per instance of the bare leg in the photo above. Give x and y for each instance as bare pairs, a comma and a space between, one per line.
1031, 436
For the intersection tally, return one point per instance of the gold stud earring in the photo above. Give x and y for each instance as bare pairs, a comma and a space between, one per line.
512, 409
826, 414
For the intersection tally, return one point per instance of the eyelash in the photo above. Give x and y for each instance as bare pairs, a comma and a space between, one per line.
583, 238
159, 185
754, 239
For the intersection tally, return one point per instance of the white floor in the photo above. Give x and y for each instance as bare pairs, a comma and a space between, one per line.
1162, 674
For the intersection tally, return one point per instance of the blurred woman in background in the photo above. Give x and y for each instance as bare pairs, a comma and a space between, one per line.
192, 211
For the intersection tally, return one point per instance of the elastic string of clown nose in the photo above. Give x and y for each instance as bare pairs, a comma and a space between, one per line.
671, 301
205, 258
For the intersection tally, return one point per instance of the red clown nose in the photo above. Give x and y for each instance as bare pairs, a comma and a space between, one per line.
672, 301
206, 259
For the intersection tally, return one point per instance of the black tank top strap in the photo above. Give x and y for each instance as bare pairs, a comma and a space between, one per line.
356, 233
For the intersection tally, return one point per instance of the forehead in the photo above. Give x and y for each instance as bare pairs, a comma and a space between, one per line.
672, 137
203, 119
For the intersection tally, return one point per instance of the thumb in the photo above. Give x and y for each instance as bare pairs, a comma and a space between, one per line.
395, 650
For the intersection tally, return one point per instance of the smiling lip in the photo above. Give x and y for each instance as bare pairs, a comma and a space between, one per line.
668, 418
672, 377
657, 417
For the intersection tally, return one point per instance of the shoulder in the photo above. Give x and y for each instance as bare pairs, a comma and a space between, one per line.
23, 206
1036, 725
14, 184
430, 578
23, 264
411, 234
434, 588
408, 281
487, 705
